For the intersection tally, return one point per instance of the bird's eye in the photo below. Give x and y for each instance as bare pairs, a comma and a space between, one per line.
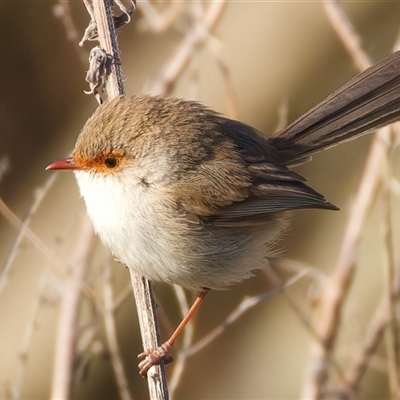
111, 162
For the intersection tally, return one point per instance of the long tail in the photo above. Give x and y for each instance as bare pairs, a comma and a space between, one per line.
368, 101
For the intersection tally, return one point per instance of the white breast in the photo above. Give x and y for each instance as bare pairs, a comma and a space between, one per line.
121, 213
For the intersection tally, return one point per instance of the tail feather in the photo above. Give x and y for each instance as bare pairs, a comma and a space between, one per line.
368, 101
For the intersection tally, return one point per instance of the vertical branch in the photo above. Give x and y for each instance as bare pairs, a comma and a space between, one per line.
65, 344
149, 329
392, 342
337, 288
145, 303
112, 340
328, 321
370, 343
103, 13
188, 334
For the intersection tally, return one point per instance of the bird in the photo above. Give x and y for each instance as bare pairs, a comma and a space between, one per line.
182, 194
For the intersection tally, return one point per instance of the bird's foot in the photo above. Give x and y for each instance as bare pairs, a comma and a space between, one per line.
154, 356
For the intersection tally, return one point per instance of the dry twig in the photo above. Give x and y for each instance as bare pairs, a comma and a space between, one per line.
66, 336
39, 196
164, 83
337, 287
159, 22
111, 333
373, 337
145, 304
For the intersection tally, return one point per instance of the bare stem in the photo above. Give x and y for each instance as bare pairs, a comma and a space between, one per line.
103, 13
372, 339
145, 304
111, 333
163, 84
66, 338
40, 194
338, 285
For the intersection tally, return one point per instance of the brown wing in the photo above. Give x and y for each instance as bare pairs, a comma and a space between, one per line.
274, 189
243, 183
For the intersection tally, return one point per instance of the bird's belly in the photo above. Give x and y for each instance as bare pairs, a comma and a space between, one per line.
192, 257
156, 241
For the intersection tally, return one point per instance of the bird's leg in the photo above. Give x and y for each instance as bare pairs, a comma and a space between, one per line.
154, 356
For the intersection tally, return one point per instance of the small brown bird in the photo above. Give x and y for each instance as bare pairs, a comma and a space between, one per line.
184, 195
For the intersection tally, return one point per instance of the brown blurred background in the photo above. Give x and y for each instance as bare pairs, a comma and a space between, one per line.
278, 53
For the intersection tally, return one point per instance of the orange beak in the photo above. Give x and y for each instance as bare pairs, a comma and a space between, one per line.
65, 163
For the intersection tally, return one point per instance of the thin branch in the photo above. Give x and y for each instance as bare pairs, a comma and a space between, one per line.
104, 17
42, 248
39, 196
122, 296
66, 336
62, 10
392, 341
111, 334
187, 339
163, 84
246, 304
8, 214
373, 338
145, 304
28, 334
337, 287
159, 22
346, 32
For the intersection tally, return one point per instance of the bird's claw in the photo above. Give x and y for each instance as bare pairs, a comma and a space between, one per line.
154, 356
